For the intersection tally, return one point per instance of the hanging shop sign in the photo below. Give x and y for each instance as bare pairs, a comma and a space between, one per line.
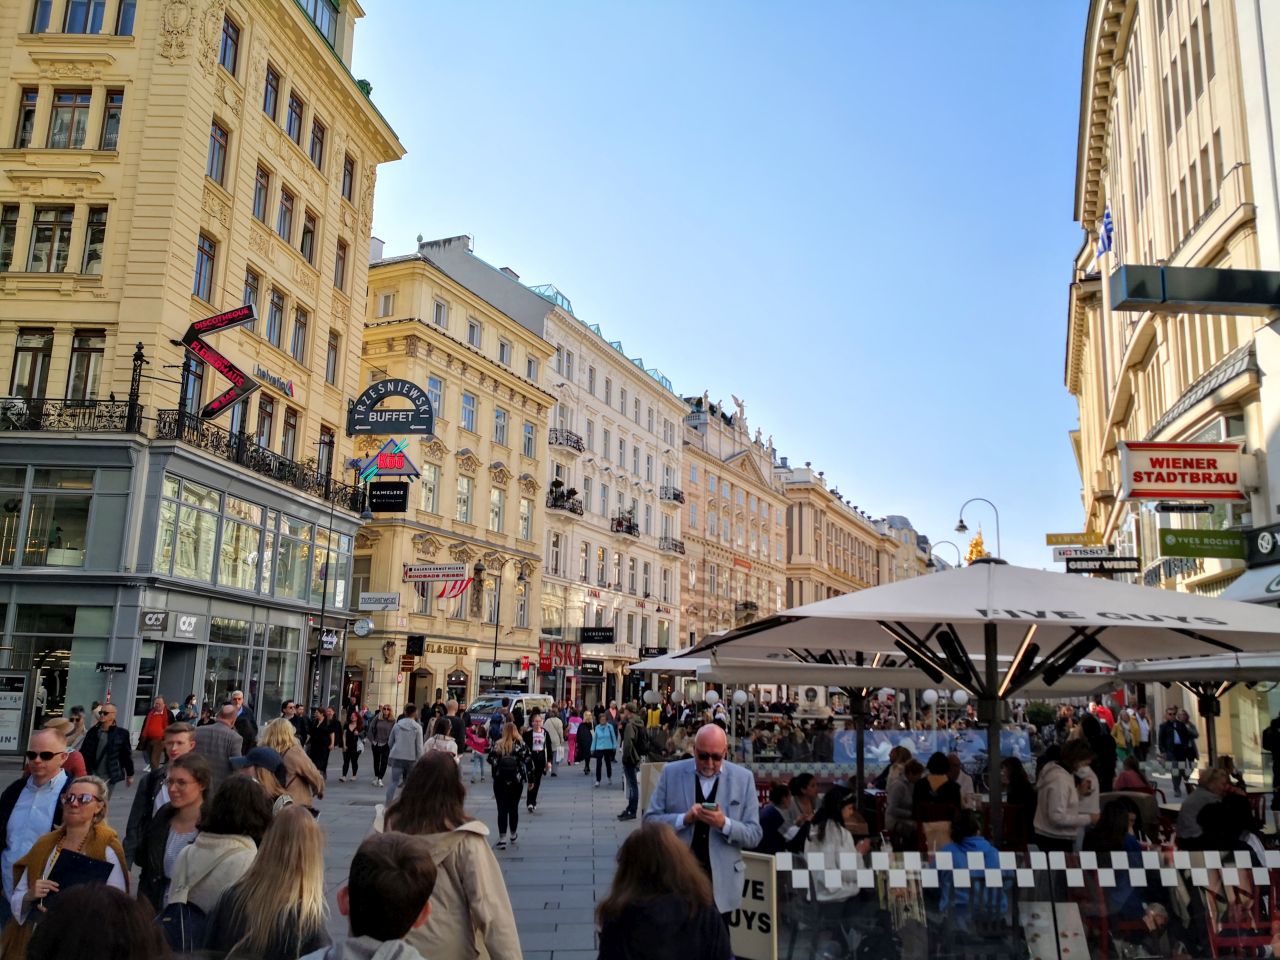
592, 669
379, 601
388, 497
186, 626
241, 383
364, 415
1181, 471
1263, 545
1073, 553
390, 461
596, 635
104, 667
1183, 508
1086, 539
1104, 565
13, 705
1202, 543
153, 621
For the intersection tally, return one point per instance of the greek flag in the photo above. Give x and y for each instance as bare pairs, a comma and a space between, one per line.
1105, 234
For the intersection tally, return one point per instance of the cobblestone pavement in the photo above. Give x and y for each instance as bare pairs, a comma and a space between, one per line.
563, 862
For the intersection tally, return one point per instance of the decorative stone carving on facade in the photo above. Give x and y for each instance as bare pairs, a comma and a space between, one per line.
211, 35
499, 473
176, 22
493, 560
426, 545
526, 567
215, 206
411, 346
434, 449
528, 484
367, 538
260, 243
305, 277
43, 183
229, 95
366, 195
72, 66
368, 445
461, 552
468, 462
258, 59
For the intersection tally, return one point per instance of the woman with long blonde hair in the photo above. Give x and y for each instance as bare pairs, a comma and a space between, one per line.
277, 910
509, 758
302, 780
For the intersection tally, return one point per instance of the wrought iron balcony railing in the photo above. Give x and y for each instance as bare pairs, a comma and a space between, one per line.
673, 494
560, 501
560, 437
624, 524
70, 416
242, 449
671, 545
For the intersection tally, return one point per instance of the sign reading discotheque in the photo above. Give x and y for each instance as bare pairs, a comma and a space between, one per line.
364, 415
241, 383
1181, 471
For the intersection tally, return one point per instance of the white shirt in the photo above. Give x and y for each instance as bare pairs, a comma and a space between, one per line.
31, 819
162, 796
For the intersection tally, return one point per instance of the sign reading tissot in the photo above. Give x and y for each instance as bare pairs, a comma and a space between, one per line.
1181, 471
365, 415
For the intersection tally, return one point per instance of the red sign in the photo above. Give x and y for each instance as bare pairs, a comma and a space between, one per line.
524, 663
224, 321
553, 654
391, 461
241, 383
741, 564
1181, 471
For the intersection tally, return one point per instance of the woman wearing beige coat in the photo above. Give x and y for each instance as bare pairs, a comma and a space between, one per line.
471, 914
303, 781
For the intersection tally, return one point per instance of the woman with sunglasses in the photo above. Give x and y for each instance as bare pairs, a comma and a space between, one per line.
173, 827
83, 831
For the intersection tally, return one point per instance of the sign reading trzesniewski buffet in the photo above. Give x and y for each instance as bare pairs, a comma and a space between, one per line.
1181, 471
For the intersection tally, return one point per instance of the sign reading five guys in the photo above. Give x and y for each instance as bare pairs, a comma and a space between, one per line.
241, 383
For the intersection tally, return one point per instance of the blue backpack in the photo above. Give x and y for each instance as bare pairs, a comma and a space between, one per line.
496, 723
183, 925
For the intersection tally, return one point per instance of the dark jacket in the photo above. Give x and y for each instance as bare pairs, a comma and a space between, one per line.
584, 736
1186, 750
772, 824
153, 884
140, 814
632, 729
247, 729
226, 927
9, 800
300, 728
119, 757
930, 805
663, 928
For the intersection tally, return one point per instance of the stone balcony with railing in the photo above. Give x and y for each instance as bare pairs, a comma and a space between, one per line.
671, 545
625, 524
48, 415
671, 494
562, 501
565, 439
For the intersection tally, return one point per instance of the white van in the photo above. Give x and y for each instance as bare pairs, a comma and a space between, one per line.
487, 704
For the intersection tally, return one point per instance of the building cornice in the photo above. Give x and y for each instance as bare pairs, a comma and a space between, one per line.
1106, 28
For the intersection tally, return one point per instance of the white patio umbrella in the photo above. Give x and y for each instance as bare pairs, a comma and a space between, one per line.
942, 621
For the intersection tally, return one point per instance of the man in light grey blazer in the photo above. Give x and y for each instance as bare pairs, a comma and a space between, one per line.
712, 806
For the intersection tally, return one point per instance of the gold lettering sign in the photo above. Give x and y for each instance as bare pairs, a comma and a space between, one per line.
448, 649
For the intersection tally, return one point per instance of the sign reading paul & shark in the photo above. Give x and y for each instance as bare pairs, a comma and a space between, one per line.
364, 415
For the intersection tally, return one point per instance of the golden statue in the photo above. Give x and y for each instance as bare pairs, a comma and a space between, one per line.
976, 549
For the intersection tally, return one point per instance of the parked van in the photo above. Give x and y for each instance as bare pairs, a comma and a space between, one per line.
487, 704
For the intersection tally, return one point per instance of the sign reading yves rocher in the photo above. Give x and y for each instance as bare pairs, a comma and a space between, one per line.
1181, 471
364, 415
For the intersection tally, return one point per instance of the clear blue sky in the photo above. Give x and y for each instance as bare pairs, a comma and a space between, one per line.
856, 216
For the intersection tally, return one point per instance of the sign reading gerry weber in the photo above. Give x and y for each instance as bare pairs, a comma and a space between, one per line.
365, 417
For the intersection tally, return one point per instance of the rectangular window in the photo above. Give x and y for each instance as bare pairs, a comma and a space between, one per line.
435, 393
1177, 95
473, 332
591, 436
622, 400
87, 348
26, 116
693, 516
70, 119
111, 120
591, 380
298, 345
8, 234
206, 259
648, 467
554, 551
386, 304
1194, 183
635, 460
261, 188
526, 518
530, 437
468, 412
348, 177
284, 216
289, 434
440, 314
504, 353
1208, 40
95, 239
608, 391
326, 451
531, 368
500, 426
1206, 175
293, 118
497, 509
331, 353
430, 488
275, 318
463, 512
308, 244
1168, 112
229, 51
1187, 101
216, 167
316, 151
271, 93
1218, 173
125, 18
1195, 59
622, 453
84, 16
604, 499
340, 266
266, 419
252, 287
584, 560
31, 357
41, 16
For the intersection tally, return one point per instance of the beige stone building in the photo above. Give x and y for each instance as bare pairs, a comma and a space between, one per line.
1173, 140
479, 499
735, 522
164, 161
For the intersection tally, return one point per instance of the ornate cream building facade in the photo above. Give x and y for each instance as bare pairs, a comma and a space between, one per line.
480, 496
735, 511
1174, 138
164, 161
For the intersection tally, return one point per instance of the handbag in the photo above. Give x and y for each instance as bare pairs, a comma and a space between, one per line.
183, 925
359, 747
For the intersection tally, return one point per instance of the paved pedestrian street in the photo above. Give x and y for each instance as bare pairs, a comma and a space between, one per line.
562, 863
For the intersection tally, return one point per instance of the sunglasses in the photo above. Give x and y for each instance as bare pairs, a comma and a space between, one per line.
79, 799
710, 757
45, 755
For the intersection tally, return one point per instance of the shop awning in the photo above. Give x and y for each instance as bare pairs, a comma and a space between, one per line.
1214, 669
1259, 585
669, 663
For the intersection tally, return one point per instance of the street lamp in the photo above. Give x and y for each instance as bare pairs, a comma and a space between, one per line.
521, 580
952, 545
961, 528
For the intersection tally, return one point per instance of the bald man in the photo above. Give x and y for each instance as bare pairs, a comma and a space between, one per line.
713, 806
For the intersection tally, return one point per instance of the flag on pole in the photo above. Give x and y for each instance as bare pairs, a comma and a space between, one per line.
454, 589
1105, 234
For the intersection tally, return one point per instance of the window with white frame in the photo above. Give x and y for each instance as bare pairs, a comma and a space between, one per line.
473, 332
465, 487
530, 436
526, 518
440, 313
468, 420
504, 352
500, 426
435, 393
555, 550
584, 560
497, 509
430, 488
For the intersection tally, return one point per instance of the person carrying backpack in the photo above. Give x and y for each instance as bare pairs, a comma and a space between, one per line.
499, 720
635, 746
509, 761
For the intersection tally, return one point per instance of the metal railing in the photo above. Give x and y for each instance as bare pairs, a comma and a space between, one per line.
673, 494
560, 437
70, 416
560, 501
671, 545
243, 450
624, 524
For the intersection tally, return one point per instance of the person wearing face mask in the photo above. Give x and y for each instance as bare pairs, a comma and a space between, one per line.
82, 831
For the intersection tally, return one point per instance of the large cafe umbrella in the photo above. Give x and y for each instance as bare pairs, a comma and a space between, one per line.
1044, 622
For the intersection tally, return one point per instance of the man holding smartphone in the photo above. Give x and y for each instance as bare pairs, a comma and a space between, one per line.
712, 805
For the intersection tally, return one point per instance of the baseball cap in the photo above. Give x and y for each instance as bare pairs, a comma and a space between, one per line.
263, 757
